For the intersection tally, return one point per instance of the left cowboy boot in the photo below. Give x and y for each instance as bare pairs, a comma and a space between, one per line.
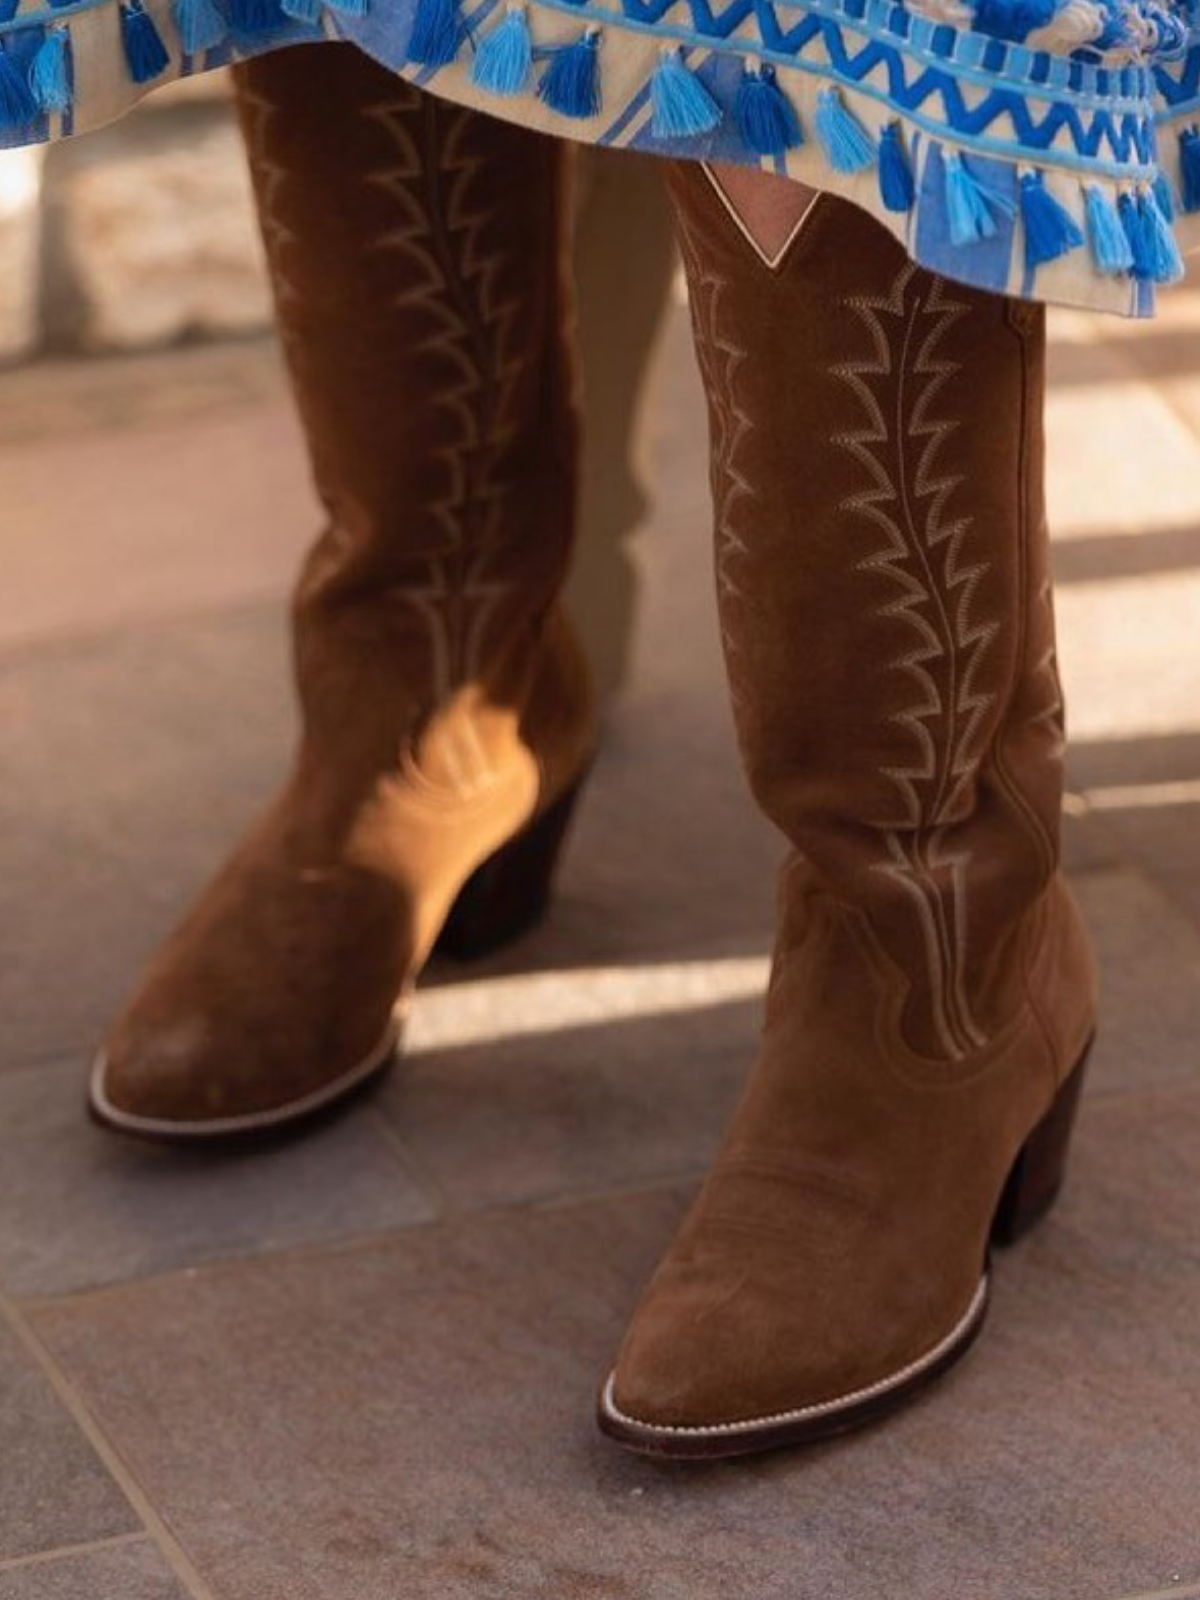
416, 252
885, 604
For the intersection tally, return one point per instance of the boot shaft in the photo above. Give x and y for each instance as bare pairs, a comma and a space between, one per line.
884, 596
416, 251
417, 255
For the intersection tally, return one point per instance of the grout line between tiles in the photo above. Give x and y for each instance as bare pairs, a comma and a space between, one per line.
378, 1239
425, 1184
1174, 1593
154, 1524
62, 1552
57, 646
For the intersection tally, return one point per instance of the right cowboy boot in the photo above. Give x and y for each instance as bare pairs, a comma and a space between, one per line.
416, 255
885, 602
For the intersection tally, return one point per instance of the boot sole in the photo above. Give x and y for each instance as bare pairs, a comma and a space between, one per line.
305, 1111
1032, 1186
502, 899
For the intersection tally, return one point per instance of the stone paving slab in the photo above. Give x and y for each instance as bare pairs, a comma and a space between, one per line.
133, 1571
82, 1207
139, 524
1121, 459
1144, 795
410, 1414
414, 1417
634, 1097
53, 1490
1149, 958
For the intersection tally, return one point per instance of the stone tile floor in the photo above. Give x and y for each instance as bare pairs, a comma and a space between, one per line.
360, 1366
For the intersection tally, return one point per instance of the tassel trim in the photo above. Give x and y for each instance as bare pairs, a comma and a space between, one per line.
50, 74
972, 208
503, 63
1050, 229
438, 33
847, 144
896, 187
200, 25
18, 107
1126, 228
571, 81
681, 107
765, 117
145, 53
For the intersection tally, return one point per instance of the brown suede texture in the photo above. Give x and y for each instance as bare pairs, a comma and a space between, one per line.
881, 559
417, 255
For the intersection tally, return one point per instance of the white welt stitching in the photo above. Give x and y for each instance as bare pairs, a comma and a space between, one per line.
825, 1407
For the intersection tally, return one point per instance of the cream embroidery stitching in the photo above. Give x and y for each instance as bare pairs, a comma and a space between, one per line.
721, 359
910, 499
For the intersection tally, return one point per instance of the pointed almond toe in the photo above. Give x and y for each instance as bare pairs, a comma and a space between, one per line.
741, 1375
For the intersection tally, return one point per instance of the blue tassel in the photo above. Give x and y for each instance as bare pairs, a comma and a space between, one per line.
571, 81
350, 8
504, 61
1141, 249
1189, 168
305, 11
765, 117
50, 73
437, 33
255, 16
18, 107
1165, 259
968, 210
847, 143
895, 175
1109, 244
1050, 229
1012, 19
681, 105
145, 53
1165, 197
201, 26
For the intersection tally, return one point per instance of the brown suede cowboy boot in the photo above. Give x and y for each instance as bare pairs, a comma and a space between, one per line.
885, 601
416, 254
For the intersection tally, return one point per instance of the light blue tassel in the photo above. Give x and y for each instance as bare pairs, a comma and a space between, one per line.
50, 73
765, 117
504, 61
1050, 229
1189, 168
571, 81
145, 53
1166, 261
201, 26
895, 175
1106, 237
1133, 220
1165, 197
305, 11
437, 34
847, 143
968, 204
681, 106
17, 104
350, 8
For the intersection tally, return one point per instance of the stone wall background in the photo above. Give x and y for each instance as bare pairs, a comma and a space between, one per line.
138, 236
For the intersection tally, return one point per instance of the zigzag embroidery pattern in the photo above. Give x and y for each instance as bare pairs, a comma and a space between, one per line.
450, 276
1128, 138
923, 556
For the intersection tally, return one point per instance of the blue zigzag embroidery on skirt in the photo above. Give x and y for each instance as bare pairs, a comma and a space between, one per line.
1014, 144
